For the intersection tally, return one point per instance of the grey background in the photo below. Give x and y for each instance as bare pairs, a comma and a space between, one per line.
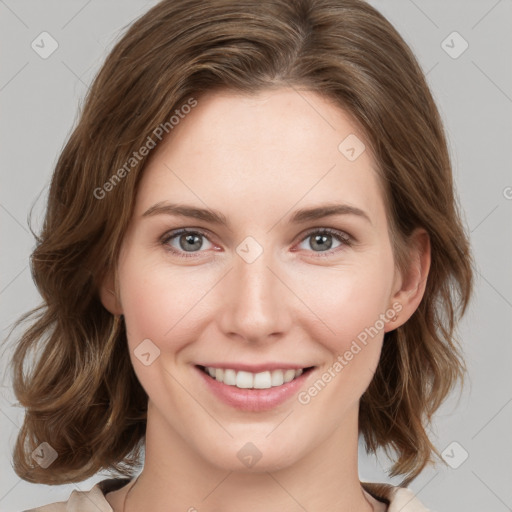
40, 99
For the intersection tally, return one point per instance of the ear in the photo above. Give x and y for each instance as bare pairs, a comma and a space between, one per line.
108, 294
409, 285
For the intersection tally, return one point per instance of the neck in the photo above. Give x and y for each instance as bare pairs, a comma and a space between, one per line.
176, 477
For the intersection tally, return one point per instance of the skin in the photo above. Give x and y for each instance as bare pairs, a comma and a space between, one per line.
257, 159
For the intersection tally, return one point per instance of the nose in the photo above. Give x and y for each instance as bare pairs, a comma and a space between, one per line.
257, 304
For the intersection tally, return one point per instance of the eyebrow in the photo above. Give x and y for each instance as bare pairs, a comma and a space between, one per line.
216, 217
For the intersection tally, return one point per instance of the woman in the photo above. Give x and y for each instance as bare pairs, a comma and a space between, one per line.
252, 254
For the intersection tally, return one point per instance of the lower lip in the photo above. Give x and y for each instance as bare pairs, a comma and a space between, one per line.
253, 400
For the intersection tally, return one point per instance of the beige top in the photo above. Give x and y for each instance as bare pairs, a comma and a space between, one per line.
398, 499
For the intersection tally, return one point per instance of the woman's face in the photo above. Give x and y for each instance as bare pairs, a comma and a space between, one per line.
269, 289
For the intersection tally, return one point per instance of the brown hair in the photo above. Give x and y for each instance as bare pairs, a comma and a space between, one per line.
82, 395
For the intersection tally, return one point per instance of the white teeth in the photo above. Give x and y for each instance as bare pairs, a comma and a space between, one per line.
262, 380
248, 380
229, 377
243, 379
289, 375
277, 378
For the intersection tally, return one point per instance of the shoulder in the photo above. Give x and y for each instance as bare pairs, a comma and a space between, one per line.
398, 499
92, 500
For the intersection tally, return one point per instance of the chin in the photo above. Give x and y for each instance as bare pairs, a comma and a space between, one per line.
256, 456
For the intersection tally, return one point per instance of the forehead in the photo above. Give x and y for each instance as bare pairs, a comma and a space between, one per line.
278, 147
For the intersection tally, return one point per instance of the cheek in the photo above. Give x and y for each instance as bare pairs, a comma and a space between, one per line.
350, 300
157, 306
161, 303
144, 306
142, 301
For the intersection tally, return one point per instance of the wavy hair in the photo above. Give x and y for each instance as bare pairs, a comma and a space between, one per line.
81, 394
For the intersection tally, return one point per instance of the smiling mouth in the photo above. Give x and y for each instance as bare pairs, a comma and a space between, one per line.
247, 380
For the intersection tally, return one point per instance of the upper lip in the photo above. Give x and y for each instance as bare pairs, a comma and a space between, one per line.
256, 368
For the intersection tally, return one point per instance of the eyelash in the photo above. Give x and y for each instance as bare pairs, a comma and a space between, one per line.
342, 237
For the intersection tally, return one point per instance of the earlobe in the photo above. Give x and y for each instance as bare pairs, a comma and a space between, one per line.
413, 282
107, 292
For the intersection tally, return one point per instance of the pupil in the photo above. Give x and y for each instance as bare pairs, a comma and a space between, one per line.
190, 240
323, 239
